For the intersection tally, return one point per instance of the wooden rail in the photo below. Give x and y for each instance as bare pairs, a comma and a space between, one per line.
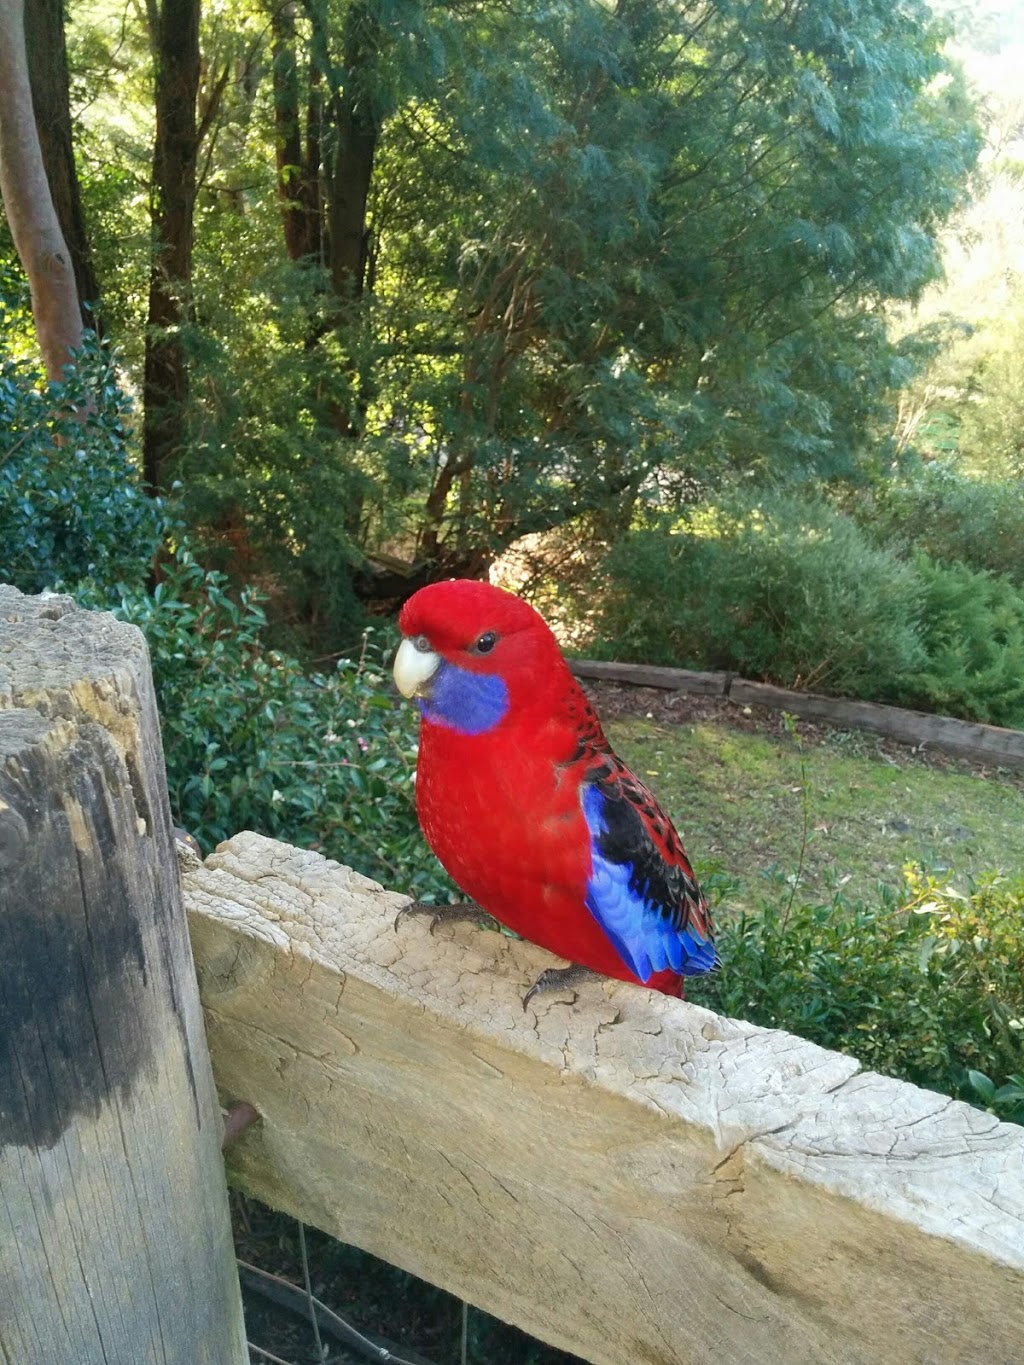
627, 1176
115, 1240
988, 744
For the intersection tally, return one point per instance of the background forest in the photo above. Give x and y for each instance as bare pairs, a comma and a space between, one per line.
699, 321
393, 285
718, 299
594, 296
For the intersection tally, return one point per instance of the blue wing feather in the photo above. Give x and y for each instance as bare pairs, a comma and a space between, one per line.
648, 904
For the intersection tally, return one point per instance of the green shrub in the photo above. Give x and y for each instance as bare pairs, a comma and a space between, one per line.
72, 509
951, 517
972, 631
251, 741
791, 590
794, 591
930, 990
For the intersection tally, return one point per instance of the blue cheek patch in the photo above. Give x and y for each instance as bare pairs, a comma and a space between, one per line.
470, 703
646, 937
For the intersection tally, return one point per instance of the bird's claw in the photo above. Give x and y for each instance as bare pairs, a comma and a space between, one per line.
417, 908
558, 979
442, 914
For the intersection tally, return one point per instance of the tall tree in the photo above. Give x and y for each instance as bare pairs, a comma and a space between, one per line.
673, 243
573, 255
298, 162
354, 110
357, 123
28, 203
174, 31
48, 74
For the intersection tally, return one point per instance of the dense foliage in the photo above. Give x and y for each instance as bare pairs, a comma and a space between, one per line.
795, 590
71, 509
252, 741
462, 272
788, 589
951, 516
972, 632
929, 987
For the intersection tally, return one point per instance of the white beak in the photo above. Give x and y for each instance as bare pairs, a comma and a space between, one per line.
415, 664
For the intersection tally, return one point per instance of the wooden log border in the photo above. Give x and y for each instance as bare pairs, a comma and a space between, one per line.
993, 745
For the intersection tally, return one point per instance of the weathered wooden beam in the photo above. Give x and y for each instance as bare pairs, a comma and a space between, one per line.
653, 675
631, 1178
993, 744
970, 739
115, 1240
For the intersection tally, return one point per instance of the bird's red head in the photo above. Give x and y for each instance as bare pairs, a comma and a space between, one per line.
477, 629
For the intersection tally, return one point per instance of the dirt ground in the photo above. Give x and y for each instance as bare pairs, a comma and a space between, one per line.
616, 701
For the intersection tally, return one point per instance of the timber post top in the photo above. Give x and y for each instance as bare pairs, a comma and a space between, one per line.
117, 1234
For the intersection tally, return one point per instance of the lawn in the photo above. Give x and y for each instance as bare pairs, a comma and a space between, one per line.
747, 800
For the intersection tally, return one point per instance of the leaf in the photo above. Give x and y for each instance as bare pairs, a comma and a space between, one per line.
982, 1086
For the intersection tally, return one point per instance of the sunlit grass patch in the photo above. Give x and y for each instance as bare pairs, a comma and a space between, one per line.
738, 801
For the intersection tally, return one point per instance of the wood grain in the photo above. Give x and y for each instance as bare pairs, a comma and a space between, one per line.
115, 1240
628, 1177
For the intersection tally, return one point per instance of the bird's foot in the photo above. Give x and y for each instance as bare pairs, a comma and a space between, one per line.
445, 914
559, 978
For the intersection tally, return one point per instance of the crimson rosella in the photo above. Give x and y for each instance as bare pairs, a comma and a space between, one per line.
527, 806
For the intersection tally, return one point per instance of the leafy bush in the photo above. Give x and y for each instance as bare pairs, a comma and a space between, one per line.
791, 590
953, 518
72, 509
972, 630
253, 742
991, 434
795, 591
930, 990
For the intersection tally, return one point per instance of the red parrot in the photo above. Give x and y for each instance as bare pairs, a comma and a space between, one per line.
527, 806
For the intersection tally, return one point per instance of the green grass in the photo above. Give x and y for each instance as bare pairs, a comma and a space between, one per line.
738, 800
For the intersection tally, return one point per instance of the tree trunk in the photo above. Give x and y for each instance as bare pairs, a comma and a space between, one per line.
176, 63
352, 164
116, 1243
298, 170
48, 74
349, 175
29, 205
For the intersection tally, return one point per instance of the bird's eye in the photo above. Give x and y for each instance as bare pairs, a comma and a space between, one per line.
485, 643
421, 644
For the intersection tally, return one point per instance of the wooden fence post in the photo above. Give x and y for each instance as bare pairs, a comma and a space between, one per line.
115, 1239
